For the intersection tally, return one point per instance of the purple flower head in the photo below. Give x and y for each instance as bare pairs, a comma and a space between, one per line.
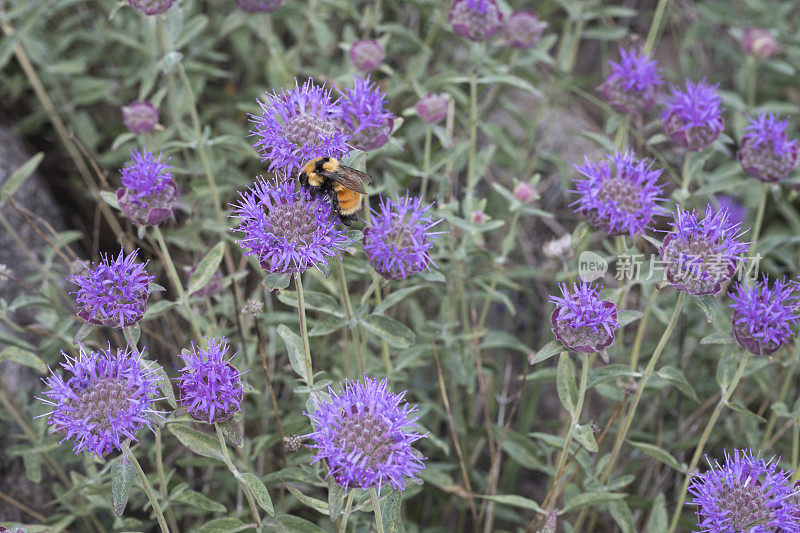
258, 6
766, 153
398, 239
366, 55
693, 117
432, 107
2, 528
363, 115
477, 20
619, 194
298, 125
581, 320
149, 193
364, 434
632, 84
113, 292
285, 228
105, 398
151, 7
140, 117
525, 192
760, 43
523, 29
210, 386
745, 493
698, 256
763, 316
736, 211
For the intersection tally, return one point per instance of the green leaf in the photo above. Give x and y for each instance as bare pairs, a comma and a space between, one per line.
294, 345
197, 441
676, 377
719, 337
276, 281
259, 491
157, 309
23, 357
318, 505
199, 500
657, 453
233, 429
336, 496
390, 511
709, 306
627, 316
586, 499
512, 500
122, 475
565, 383
110, 198
585, 437
657, 523
15, 180
295, 524
622, 515
82, 333
392, 331
610, 372
206, 268
395, 298
328, 326
547, 351
432, 275
223, 525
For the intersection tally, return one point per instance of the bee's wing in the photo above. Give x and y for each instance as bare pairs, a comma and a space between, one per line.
349, 177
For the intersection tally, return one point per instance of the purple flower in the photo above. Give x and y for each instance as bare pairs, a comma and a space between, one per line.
363, 115
760, 43
113, 292
698, 256
285, 228
766, 153
763, 316
581, 320
745, 493
298, 125
366, 55
632, 84
151, 7
477, 20
619, 194
364, 434
210, 386
523, 29
736, 211
432, 107
258, 6
140, 117
693, 118
398, 238
105, 398
525, 192
149, 193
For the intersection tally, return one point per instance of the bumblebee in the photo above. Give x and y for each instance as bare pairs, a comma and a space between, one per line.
344, 185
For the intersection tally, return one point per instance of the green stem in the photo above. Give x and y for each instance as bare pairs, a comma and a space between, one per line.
651, 365
235, 471
655, 27
376, 506
787, 381
752, 82
686, 178
301, 310
698, 452
162, 480
346, 514
176, 282
762, 204
148, 488
426, 163
348, 309
473, 139
621, 139
637, 342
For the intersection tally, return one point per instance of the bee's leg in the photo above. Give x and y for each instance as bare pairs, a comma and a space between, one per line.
347, 220
304, 180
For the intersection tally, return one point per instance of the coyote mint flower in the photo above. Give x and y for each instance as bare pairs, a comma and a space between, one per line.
477, 20
698, 256
113, 292
398, 238
766, 153
285, 228
432, 108
366, 55
745, 493
581, 320
620, 194
632, 84
210, 386
106, 397
149, 193
297, 125
693, 117
363, 115
151, 7
763, 316
364, 434
523, 29
140, 117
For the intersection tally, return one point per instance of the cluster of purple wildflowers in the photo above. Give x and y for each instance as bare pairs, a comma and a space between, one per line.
763, 316
148, 194
364, 116
478, 20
